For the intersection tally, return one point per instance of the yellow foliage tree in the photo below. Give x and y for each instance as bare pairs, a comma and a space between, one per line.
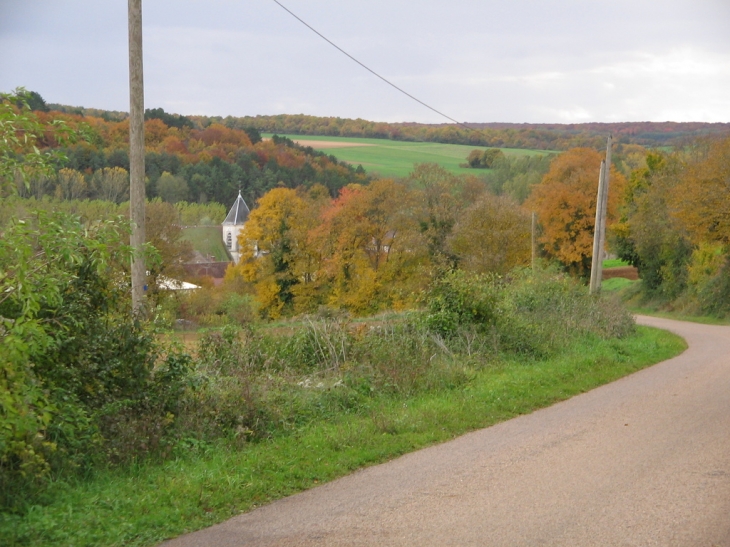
70, 184
275, 252
702, 202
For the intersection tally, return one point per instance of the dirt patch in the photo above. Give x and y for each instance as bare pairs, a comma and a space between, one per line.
627, 272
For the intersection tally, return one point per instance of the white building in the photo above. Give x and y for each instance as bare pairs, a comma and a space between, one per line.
233, 225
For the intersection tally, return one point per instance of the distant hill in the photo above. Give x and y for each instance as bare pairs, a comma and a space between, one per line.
500, 135
541, 136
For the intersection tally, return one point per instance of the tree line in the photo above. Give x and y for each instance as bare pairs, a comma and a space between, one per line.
527, 136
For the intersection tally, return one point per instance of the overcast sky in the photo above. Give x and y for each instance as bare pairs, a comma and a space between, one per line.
475, 60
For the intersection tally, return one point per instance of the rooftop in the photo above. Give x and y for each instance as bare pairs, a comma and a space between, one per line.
238, 213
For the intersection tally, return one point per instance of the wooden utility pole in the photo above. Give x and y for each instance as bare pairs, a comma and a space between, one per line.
136, 155
599, 232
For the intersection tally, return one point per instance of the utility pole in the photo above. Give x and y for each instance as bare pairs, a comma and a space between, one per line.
599, 232
136, 155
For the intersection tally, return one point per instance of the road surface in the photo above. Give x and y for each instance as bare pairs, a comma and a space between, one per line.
642, 461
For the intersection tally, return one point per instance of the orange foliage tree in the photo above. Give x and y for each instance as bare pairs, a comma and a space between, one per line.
565, 202
371, 247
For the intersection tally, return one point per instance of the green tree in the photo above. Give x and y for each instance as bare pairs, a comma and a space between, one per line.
172, 188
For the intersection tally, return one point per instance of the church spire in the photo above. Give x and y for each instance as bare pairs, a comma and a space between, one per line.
238, 213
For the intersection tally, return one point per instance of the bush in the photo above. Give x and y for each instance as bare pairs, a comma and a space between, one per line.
460, 298
82, 380
533, 313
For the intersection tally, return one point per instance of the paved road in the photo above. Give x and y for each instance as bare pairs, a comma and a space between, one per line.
642, 461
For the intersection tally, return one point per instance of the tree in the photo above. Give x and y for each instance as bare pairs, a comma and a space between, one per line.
36, 102
702, 201
565, 202
70, 184
484, 159
441, 196
270, 241
111, 184
163, 232
493, 235
172, 188
516, 176
370, 242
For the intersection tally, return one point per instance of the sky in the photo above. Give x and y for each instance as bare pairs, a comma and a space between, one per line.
520, 61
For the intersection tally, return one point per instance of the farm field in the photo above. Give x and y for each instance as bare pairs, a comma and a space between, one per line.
396, 158
206, 240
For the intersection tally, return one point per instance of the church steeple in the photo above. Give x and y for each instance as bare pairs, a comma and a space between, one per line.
233, 226
238, 213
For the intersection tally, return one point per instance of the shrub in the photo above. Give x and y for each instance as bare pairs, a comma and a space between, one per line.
80, 377
460, 298
530, 312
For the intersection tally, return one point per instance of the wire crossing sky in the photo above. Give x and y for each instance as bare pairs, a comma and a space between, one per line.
533, 61
367, 68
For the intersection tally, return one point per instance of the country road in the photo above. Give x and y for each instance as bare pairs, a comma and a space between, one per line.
642, 461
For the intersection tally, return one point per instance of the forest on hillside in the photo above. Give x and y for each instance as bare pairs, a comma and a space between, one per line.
183, 161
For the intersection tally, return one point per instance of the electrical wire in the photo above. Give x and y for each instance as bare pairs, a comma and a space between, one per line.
366, 67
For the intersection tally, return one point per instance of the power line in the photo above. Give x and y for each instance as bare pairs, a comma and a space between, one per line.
366, 67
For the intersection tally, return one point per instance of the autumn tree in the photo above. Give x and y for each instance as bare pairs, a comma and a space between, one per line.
674, 225
111, 184
440, 198
270, 241
371, 245
565, 202
702, 201
70, 184
492, 235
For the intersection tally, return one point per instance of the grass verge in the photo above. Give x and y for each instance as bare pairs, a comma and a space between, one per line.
150, 502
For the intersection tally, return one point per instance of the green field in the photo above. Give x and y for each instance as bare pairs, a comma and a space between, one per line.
207, 240
396, 158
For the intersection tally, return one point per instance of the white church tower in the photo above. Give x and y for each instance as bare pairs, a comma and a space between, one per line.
233, 225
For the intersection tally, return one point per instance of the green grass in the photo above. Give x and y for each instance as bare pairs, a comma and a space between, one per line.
616, 284
615, 263
396, 158
151, 502
207, 240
